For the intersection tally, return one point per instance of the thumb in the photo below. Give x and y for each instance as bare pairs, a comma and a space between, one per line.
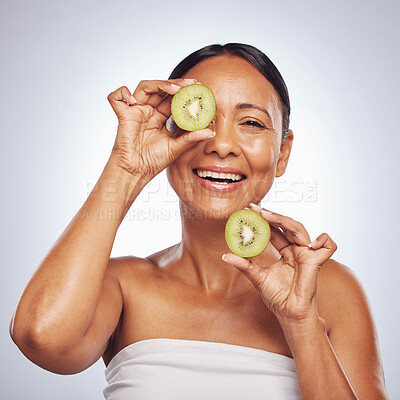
189, 139
249, 268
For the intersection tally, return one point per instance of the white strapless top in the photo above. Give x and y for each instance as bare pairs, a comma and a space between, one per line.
175, 369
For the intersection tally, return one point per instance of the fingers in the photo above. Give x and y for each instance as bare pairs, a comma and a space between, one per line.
152, 92
163, 102
248, 267
324, 241
293, 230
184, 142
278, 239
164, 107
120, 99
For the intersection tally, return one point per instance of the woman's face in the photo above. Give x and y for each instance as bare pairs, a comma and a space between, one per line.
248, 126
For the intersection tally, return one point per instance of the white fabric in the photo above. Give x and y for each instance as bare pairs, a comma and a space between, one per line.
175, 369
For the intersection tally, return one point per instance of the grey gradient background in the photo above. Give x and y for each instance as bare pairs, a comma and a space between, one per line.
59, 61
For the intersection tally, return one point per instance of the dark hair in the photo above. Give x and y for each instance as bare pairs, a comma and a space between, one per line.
250, 53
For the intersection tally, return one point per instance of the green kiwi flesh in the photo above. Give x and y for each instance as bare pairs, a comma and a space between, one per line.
247, 233
193, 107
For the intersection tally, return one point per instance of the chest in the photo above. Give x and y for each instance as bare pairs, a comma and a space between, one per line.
161, 309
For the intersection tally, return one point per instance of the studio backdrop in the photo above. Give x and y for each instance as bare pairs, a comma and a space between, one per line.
59, 62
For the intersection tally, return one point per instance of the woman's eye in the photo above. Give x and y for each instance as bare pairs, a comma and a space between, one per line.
254, 123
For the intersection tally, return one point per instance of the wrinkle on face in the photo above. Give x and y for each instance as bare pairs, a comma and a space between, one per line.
234, 81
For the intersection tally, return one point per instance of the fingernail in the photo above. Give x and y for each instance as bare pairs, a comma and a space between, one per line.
224, 258
190, 80
211, 134
312, 243
258, 208
133, 100
175, 86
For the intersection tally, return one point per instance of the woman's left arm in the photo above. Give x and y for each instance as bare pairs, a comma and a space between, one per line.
333, 359
336, 353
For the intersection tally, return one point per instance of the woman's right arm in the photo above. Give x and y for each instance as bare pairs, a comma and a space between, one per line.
72, 304
60, 301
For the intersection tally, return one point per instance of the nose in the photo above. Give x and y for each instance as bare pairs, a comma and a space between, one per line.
225, 141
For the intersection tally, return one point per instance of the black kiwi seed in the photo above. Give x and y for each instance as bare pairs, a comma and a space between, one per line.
247, 233
193, 107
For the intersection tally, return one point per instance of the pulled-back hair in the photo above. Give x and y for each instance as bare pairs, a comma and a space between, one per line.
250, 53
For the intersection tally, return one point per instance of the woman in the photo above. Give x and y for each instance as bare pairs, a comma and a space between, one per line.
194, 319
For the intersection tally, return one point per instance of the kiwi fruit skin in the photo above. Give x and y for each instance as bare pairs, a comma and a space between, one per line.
247, 233
193, 107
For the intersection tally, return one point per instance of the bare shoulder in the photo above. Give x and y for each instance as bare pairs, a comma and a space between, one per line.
337, 278
128, 269
120, 265
132, 269
340, 293
343, 304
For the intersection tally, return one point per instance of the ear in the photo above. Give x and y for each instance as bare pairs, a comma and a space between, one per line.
286, 148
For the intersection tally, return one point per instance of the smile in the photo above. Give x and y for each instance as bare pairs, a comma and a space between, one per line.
218, 177
220, 182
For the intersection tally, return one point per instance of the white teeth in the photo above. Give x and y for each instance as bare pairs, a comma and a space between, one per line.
204, 174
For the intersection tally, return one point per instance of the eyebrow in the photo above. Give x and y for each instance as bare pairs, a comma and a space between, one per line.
241, 106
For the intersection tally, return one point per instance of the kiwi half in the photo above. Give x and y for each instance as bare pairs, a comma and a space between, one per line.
193, 107
247, 233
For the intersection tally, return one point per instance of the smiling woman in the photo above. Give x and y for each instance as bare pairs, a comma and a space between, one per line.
193, 321
250, 126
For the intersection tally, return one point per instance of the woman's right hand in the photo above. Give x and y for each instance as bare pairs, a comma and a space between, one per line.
143, 146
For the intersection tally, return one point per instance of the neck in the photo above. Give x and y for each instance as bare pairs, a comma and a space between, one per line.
203, 243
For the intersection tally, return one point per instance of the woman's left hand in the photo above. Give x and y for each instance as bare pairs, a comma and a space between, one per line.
289, 286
